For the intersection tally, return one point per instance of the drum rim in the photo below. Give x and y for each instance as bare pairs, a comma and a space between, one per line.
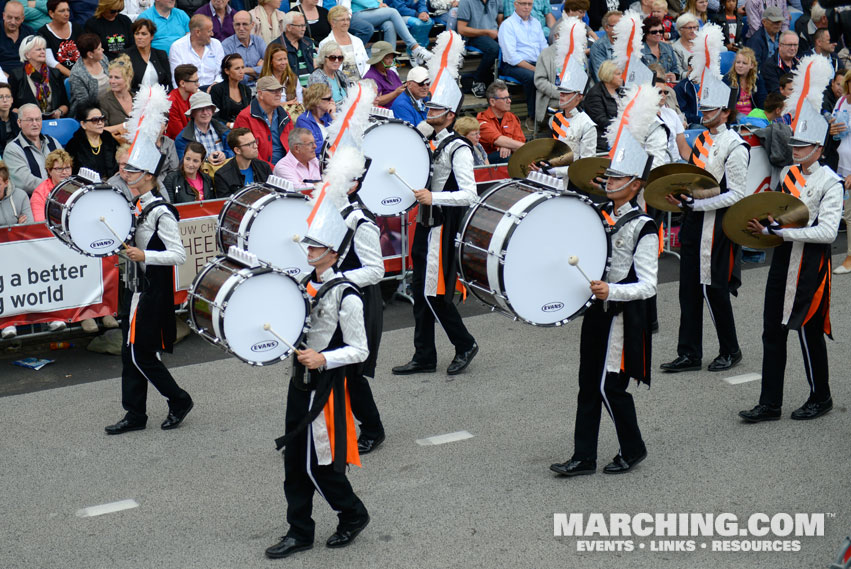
276, 194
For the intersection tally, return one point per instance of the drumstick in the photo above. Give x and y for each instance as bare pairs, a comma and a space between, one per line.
268, 328
111, 230
393, 172
573, 260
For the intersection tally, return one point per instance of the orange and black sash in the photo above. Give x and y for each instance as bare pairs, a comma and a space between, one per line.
560, 125
793, 182
700, 151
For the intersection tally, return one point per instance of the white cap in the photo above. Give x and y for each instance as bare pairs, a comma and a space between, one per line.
629, 159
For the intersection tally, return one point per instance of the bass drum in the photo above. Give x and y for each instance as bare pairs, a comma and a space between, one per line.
263, 220
391, 143
514, 246
73, 212
229, 303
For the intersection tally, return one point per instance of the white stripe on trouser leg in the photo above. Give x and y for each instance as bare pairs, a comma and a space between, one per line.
808, 362
133, 358
309, 455
709, 306
603, 384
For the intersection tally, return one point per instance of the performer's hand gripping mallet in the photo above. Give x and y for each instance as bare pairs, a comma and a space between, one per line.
111, 230
573, 260
393, 172
268, 328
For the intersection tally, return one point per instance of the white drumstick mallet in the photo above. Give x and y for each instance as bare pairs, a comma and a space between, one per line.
393, 172
111, 230
268, 328
573, 260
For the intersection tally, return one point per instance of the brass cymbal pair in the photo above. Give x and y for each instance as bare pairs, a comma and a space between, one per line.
676, 179
786, 209
547, 149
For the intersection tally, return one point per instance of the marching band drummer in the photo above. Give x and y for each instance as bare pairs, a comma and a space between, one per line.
453, 191
320, 432
619, 314
157, 249
797, 293
710, 264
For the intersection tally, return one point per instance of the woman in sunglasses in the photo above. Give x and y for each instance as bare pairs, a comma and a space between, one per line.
328, 72
111, 26
231, 95
91, 146
318, 112
655, 50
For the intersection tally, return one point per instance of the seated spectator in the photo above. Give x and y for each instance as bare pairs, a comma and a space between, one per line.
698, 9
823, 45
171, 23
300, 51
48, 94
276, 64
121, 179
25, 154
521, 39
61, 35
477, 23
300, 165
601, 50
82, 11
35, 16
221, 14
601, 101
90, 146
755, 12
111, 26
117, 102
329, 60
58, 164
415, 15
382, 71
268, 20
251, 47
546, 72
785, 62
687, 27
150, 65
743, 76
316, 20
200, 49
170, 161
772, 111
834, 91
579, 10
9, 128
469, 128
269, 122
765, 40
12, 34
354, 54
89, 77
14, 203
806, 26
189, 183
318, 112
645, 7
501, 133
186, 79
245, 168
731, 25
410, 105
686, 91
655, 50
660, 10
203, 128
786, 81
231, 95
377, 14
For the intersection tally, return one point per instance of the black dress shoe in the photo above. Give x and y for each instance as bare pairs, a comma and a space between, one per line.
176, 417
414, 366
761, 413
619, 464
366, 446
286, 547
811, 410
574, 467
123, 426
461, 361
345, 535
725, 362
682, 363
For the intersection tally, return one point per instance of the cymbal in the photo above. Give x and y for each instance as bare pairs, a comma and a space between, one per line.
668, 169
682, 183
533, 151
786, 209
583, 171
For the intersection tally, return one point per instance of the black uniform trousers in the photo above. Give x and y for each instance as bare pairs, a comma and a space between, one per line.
775, 335
598, 388
692, 296
140, 366
425, 309
303, 476
360, 393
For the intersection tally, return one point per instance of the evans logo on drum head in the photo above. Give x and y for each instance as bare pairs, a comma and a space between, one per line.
264, 346
391, 201
102, 244
292, 271
552, 307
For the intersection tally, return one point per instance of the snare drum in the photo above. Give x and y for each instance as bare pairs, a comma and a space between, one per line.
514, 245
262, 220
73, 211
230, 302
392, 143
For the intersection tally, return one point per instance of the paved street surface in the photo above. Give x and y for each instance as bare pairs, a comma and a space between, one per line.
209, 494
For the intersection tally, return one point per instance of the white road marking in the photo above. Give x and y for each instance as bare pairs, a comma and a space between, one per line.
744, 378
110, 508
447, 438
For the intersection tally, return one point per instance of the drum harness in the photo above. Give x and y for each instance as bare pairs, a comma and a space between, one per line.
432, 215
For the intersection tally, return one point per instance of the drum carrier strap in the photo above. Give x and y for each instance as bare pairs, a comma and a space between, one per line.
432, 215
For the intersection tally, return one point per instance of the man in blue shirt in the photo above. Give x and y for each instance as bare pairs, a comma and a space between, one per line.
477, 24
601, 50
521, 39
246, 44
172, 23
410, 105
11, 35
765, 41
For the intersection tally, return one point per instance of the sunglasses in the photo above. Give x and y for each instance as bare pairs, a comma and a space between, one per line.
328, 98
655, 32
335, 57
97, 120
425, 83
